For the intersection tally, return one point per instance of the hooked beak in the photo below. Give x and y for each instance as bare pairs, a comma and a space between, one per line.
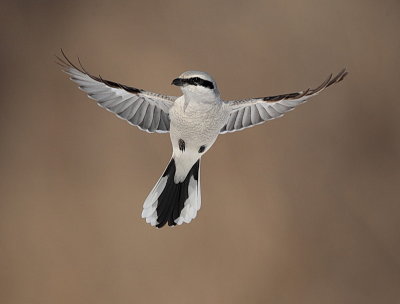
178, 82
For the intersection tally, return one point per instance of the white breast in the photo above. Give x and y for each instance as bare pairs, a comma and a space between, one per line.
197, 124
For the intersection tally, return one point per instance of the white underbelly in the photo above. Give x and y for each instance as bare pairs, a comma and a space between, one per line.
196, 129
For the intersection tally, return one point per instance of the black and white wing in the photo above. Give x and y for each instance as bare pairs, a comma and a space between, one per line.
146, 110
250, 112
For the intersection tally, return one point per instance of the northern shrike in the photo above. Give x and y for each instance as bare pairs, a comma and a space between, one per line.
193, 120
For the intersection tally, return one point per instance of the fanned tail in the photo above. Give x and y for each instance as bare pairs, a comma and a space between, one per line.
173, 203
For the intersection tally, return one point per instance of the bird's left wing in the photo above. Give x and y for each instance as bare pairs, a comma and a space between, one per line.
250, 112
146, 110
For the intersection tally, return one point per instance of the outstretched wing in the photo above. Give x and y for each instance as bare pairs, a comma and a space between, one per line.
250, 112
146, 110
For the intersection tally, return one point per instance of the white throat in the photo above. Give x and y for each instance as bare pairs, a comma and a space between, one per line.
200, 95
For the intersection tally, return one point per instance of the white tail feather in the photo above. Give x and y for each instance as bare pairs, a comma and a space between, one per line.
171, 194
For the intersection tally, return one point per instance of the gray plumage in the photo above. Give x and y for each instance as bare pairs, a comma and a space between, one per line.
146, 110
194, 121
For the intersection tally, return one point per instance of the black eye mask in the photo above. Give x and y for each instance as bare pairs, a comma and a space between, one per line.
196, 81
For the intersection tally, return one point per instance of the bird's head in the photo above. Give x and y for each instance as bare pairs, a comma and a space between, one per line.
197, 84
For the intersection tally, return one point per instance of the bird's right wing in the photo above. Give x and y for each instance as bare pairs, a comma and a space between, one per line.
146, 110
254, 111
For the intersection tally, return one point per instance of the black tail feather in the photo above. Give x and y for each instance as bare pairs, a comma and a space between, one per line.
171, 201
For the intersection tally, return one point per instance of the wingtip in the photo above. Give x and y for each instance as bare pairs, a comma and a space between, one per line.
305, 92
62, 52
322, 85
60, 61
67, 63
344, 72
81, 65
339, 77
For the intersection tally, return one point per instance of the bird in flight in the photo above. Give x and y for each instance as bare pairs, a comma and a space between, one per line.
193, 120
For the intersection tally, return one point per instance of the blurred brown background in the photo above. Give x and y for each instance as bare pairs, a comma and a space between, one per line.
304, 209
